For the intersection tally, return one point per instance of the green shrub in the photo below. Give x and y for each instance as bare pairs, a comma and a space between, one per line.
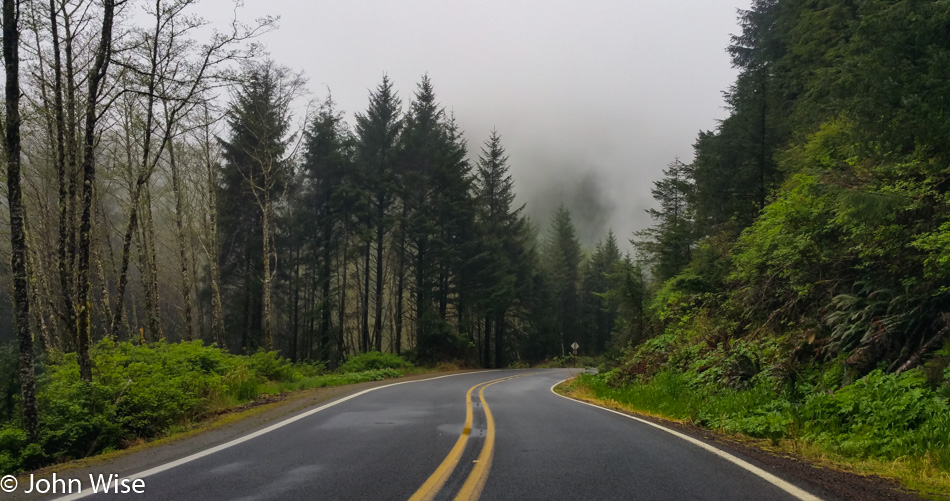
374, 360
311, 368
136, 392
12, 440
144, 391
880, 415
271, 366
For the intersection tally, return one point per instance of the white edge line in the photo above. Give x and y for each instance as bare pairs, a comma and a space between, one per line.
755, 470
207, 452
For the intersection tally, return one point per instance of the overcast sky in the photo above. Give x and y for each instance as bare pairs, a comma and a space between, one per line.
592, 98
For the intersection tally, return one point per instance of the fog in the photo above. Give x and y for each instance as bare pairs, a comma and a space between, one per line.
592, 99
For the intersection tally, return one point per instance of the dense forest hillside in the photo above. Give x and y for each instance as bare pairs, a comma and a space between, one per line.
798, 265
815, 217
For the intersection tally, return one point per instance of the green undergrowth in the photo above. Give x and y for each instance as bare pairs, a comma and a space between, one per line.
884, 419
568, 360
143, 392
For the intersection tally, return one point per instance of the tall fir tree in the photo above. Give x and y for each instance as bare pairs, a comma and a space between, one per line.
599, 315
500, 229
377, 149
563, 257
422, 142
254, 174
329, 199
669, 242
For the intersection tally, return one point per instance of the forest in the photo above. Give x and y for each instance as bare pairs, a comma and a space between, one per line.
176, 198
168, 193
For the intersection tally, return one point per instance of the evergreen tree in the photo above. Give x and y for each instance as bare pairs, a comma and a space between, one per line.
734, 168
422, 142
563, 257
377, 147
500, 230
536, 304
669, 242
628, 296
599, 314
455, 214
253, 179
329, 201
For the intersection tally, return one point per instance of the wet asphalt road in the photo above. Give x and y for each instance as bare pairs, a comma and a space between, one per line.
385, 444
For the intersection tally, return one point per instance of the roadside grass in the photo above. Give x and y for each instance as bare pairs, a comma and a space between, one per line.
306, 383
762, 417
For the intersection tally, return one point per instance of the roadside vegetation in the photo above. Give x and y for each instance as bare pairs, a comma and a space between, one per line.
882, 424
143, 392
795, 285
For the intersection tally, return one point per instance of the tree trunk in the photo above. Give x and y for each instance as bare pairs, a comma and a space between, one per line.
763, 153
106, 308
380, 279
148, 229
266, 294
97, 74
341, 339
182, 244
21, 304
443, 292
486, 346
364, 327
248, 279
400, 286
296, 312
310, 300
66, 250
144, 272
325, 310
213, 248
422, 296
501, 357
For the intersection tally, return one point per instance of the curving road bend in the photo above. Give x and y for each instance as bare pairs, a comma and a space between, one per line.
488, 435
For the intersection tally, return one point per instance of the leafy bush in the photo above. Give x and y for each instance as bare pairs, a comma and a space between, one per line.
374, 360
881, 415
311, 368
12, 440
143, 391
136, 392
270, 365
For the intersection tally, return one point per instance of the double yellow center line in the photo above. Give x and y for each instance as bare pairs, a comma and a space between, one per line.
472, 488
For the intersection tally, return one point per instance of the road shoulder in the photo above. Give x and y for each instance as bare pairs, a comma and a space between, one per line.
212, 432
837, 483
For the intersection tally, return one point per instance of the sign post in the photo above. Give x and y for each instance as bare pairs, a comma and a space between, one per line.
575, 346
